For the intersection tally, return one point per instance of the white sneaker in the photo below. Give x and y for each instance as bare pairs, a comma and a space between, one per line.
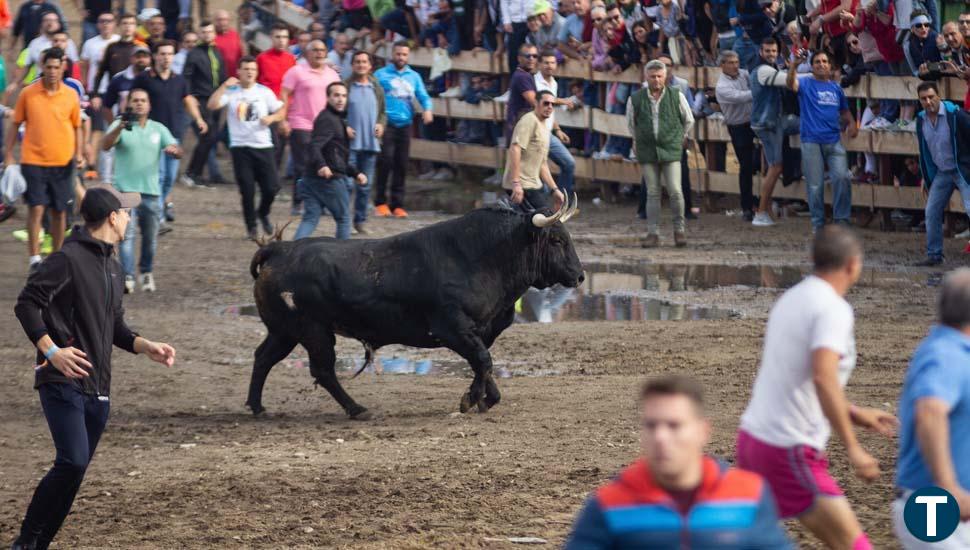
963, 235
444, 174
454, 91
504, 98
878, 123
147, 282
494, 179
601, 155
187, 180
762, 219
428, 175
129, 284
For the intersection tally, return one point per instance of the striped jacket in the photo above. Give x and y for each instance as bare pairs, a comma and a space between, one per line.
732, 509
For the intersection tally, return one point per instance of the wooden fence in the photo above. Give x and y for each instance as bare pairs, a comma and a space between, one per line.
706, 131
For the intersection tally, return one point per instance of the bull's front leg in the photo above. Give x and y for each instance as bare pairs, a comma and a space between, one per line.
459, 335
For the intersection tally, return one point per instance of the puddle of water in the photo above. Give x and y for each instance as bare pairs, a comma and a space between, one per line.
420, 367
616, 276
555, 305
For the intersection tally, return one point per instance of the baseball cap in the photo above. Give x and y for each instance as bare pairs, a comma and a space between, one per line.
148, 13
140, 49
101, 200
540, 7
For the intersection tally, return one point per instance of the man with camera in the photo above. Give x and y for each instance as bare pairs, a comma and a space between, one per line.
138, 143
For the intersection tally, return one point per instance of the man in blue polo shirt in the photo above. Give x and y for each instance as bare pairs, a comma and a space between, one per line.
934, 414
823, 108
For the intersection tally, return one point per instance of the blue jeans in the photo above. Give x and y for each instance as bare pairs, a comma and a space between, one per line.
76, 421
366, 162
939, 196
168, 168
815, 157
146, 216
566, 163
747, 52
317, 193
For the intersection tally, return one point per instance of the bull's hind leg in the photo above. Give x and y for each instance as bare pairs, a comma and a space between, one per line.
319, 344
273, 350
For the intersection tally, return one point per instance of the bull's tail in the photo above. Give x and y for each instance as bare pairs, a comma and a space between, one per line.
368, 359
265, 249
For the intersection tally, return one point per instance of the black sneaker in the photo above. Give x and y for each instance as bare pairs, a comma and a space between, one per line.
929, 262
267, 226
748, 215
164, 230
169, 212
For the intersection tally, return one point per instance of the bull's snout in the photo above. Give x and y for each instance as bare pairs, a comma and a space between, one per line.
582, 277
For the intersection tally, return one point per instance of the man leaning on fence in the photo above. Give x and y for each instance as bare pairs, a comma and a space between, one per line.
660, 120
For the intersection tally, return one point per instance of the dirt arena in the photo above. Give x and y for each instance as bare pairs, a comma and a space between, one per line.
184, 465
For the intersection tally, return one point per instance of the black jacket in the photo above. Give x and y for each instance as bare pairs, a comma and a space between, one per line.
75, 297
198, 71
329, 145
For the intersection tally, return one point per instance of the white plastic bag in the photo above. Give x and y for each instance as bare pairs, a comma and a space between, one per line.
12, 184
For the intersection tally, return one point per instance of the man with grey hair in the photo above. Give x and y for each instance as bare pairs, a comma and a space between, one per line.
733, 93
660, 119
934, 415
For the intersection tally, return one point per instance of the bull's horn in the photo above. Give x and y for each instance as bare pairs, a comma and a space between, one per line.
541, 220
572, 210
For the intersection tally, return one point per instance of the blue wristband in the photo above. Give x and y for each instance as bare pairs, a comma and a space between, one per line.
51, 351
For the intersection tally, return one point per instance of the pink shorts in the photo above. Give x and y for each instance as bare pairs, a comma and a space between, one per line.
797, 475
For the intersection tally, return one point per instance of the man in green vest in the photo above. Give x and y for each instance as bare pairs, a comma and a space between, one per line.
660, 120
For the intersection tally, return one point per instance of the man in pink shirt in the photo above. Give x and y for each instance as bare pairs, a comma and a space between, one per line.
304, 89
228, 42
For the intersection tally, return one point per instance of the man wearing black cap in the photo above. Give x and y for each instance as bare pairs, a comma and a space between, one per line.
71, 311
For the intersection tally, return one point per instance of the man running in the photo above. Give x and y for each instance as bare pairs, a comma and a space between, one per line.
73, 317
798, 398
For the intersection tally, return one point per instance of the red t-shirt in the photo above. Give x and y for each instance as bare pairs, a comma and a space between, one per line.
272, 66
230, 47
836, 27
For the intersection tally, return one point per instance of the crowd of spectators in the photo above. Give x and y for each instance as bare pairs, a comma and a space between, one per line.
756, 44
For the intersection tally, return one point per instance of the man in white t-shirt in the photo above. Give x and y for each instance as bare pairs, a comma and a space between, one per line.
558, 140
252, 109
93, 50
50, 25
809, 353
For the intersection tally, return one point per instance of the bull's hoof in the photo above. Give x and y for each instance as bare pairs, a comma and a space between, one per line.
482, 407
362, 414
466, 403
258, 410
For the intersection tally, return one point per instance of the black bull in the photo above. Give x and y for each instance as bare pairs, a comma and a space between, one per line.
453, 284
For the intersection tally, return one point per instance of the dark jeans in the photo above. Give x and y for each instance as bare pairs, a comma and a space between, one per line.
207, 140
520, 31
393, 163
396, 20
76, 421
299, 141
448, 28
279, 144
255, 167
534, 200
742, 138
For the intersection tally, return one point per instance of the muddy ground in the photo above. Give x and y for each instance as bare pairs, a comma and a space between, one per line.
183, 463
